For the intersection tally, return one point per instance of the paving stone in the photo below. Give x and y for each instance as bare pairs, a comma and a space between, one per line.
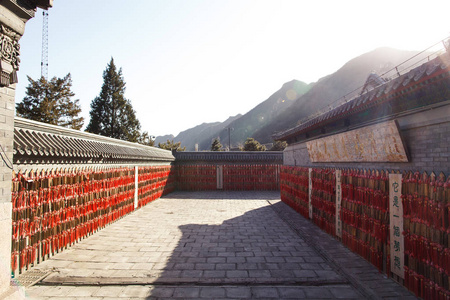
283, 274
289, 266
214, 274
38, 290
238, 292
84, 291
265, 292
236, 274
247, 266
291, 292
186, 292
133, 291
216, 260
59, 291
328, 274
318, 293
143, 266
109, 291
259, 273
204, 240
267, 266
244, 254
171, 274
295, 259
345, 293
256, 259
205, 266
238, 260
276, 259
212, 292
184, 266
305, 273
162, 292
314, 259
225, 266
192, 273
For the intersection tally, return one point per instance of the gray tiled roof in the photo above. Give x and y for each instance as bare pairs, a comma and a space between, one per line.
214, 157
36, 142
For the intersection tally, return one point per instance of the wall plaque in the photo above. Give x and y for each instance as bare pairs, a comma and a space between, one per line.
396, 225
376, 143
338, 203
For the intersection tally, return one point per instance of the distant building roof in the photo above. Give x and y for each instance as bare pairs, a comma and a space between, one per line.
40, 143
424, 86
235, 157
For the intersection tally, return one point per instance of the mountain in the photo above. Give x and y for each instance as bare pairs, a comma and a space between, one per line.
264, 113
294, 101
243, 125
350, 77
163, 138
202, 134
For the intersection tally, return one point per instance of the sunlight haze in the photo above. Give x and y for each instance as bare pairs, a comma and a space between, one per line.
189, 62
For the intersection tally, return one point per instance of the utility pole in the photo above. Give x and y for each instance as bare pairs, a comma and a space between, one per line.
229, 137
44, 57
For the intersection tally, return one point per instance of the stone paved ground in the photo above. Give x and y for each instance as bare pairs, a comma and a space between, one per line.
212, 245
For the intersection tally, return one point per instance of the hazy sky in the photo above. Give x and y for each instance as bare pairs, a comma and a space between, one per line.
186, 62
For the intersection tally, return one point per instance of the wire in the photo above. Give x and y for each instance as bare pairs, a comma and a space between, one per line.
10, 166
331, 104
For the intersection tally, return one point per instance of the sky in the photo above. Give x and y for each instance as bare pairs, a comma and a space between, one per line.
186, 62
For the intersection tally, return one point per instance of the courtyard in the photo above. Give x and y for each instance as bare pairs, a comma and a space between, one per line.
212, 245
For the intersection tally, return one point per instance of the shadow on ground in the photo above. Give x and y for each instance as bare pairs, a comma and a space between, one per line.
253, 255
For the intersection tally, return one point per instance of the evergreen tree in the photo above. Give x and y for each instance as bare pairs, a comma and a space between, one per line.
111, 114
253, 145
279, 146
146, 139
51, 102
170, 145
216, 145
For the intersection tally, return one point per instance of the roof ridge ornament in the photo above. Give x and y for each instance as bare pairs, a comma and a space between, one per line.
447, 45
372, 81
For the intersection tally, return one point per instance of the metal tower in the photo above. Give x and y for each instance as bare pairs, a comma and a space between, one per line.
44, 57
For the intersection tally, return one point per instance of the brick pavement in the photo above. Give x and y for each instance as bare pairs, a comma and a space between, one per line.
212, 245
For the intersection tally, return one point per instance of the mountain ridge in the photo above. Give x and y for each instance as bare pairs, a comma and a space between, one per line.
294, 101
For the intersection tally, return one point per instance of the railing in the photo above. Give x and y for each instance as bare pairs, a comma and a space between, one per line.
420, 58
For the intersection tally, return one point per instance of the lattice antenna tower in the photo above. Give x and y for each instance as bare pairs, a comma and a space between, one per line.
44, 57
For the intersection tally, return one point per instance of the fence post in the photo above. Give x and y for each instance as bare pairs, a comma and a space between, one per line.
136, 186
219, 177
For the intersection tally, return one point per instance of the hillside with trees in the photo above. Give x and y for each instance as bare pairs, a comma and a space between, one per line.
203, 134
295, 101
350, 77
243, 126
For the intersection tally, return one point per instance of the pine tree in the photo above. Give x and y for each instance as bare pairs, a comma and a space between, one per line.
170, 145
51, 102
216, 145
279, 146
253, 145
111, 114
146, 139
